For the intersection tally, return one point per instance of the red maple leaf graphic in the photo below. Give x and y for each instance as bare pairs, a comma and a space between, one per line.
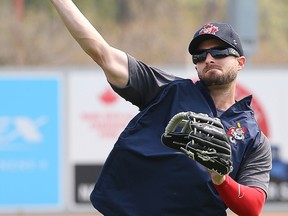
108, 97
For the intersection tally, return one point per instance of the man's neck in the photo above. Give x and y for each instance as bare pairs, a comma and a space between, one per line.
223, 96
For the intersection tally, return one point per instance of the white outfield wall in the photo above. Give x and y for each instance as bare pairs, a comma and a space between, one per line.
58, 125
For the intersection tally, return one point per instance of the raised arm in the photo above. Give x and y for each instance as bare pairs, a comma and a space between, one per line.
114, 62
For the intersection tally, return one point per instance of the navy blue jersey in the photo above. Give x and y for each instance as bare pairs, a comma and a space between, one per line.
141, 176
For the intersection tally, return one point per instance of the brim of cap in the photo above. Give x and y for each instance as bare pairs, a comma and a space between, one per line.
199, 39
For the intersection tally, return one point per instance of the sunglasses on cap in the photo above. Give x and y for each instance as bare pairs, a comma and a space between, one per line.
216, 52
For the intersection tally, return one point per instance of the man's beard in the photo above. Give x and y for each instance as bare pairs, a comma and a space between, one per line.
211, 80
219, 80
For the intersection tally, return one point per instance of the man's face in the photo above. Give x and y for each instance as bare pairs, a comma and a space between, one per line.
218, 71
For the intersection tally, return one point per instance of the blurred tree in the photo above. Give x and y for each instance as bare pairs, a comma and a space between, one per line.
124, 13
19, 9
273, 31
36, 4
156, 32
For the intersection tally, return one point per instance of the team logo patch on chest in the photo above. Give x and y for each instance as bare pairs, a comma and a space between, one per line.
236, 133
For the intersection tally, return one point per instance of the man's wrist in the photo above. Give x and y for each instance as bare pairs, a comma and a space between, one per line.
218, 179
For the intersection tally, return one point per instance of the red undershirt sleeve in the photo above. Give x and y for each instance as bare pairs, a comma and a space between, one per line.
242, 200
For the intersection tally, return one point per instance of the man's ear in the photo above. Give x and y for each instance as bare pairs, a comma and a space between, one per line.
241, 62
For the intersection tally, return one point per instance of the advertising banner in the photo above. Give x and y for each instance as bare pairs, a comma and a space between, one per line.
85, 177
97, 116
269, 88
30, 150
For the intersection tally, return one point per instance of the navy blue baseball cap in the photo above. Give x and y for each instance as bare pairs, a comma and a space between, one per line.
221, 31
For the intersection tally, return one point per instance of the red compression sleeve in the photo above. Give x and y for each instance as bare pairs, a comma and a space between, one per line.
242, 200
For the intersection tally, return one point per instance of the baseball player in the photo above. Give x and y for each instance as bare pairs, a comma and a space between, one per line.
218, 159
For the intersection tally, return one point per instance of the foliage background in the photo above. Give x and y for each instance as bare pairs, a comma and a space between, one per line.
157, 32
